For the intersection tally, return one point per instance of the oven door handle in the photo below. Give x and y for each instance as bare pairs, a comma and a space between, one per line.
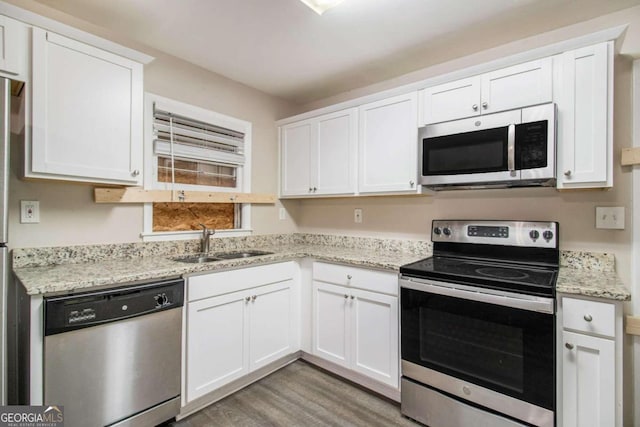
539, 304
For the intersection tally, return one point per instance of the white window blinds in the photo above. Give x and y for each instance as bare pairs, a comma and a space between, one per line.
181, 137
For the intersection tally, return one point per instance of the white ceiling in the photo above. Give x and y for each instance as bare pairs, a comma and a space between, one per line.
285, 49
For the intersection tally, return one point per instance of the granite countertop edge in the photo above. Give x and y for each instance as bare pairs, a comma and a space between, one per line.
70, 278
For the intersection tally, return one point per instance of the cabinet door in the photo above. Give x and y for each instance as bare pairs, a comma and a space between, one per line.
295, 152
217, 343
588, 393
271, 324
374, 325
389, 145
518, 86
11, 46
450, 101
584, 118
330, 323
87, 112
334, 158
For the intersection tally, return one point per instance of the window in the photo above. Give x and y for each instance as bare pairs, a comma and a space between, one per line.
190, 148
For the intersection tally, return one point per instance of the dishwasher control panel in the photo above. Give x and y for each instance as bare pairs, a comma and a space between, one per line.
70, 312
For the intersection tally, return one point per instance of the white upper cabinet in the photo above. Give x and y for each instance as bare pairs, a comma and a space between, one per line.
450, 101
388, 146
86, 113
334, 157
505, 89
518, 86
318, 155
295, 156
13, 48
585, 116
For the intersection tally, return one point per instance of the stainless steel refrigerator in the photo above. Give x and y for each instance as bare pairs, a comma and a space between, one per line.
5, 113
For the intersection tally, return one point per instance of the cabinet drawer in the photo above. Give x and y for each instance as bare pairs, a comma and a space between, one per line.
588, 316
344, 275
223, 282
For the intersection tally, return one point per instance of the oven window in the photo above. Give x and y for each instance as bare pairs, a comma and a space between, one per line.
470, 152
504, 349
468, 346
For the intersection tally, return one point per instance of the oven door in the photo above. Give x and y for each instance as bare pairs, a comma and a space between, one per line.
492, 348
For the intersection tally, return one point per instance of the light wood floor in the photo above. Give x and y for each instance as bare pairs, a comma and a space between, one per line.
299, 395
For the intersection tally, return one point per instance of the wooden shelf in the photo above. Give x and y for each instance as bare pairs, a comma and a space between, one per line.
140, 195
633, 325
630, 156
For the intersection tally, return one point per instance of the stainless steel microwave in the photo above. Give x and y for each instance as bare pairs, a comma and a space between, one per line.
507, 149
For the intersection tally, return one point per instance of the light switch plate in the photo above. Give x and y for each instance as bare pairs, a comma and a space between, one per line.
29, 211
611, 218
282, 214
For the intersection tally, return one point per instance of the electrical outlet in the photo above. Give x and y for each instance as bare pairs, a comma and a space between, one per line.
29, 212
282, 213
357, 215
610, 218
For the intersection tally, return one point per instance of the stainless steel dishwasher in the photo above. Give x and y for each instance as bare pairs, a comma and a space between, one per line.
113, 357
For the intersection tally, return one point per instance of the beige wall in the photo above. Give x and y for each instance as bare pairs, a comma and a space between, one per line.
68, 214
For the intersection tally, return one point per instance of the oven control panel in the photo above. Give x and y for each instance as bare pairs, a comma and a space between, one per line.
509, 233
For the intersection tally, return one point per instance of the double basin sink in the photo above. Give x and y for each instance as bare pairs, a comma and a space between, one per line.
201, 258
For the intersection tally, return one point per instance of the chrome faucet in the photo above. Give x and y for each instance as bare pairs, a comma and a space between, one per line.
204, 242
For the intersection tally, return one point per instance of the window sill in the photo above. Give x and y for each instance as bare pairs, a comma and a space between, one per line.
192, 235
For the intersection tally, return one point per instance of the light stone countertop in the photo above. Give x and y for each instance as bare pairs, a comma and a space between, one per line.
68, 278
590, 274
79, 268
599, 284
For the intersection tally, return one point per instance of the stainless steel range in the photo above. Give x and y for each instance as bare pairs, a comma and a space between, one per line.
478, 325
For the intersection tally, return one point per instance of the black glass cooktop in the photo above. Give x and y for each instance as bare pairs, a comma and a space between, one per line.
516, 277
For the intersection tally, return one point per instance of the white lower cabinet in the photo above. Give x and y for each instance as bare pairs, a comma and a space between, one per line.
589, 381
215, 324
591, 363
230, 335
353, 327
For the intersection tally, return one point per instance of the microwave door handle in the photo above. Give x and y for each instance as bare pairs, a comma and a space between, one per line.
511, 148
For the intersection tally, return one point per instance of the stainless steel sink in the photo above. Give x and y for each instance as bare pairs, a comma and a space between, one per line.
196, 259
241, 254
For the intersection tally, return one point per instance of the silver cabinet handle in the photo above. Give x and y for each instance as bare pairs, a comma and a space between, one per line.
588, 318
485, 105
247, 299
346, 296
315, 189
253, 297
412, 183
349, 277
135, 172
475, 107
569, 346
352, 297
567, 173
310, 189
